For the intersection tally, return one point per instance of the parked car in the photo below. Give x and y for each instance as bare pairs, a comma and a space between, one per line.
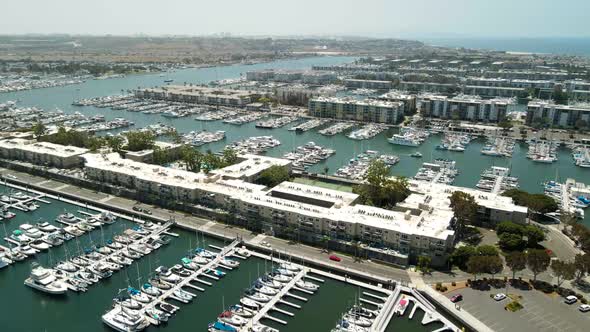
584, 307
335, 258
456, 298
571, 299
499, 296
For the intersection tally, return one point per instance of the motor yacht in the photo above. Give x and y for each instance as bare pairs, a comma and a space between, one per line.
137, 295
26, 249
114, 245
67, 218
46, 227
121, 260
66, 267
220, 327
20, 237
265, 289
181, 271
253, 294
44, 280
73, 230
187, 263
165, 274
157, 315
39, 245
241, 311
80, 261
310, 286
125, 320
149, 289
185, 296
229, 263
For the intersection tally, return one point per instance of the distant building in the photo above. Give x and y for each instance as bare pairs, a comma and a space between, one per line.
368, 84
470, 108
547, 112
200, 95
42, 153
409, 100
367, 110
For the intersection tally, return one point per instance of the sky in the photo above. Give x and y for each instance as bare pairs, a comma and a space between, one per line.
370, 18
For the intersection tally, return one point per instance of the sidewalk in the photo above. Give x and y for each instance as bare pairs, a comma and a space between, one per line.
443, 301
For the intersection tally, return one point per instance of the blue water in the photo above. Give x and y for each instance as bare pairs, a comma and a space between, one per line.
570, 45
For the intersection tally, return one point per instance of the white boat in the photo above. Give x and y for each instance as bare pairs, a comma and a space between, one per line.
290, 266
241, 311
80, 261
247, 302
39, 245
26, 249
124, 320
406, 140
20, 196
121, 260
310, 286
230, 318
149, 289
266, 281
44, 280
67, 218
262, 328
200, 260
73, 230
281, 278
183, 295
265, 289
47, 227
131, 254
30, 231
256, 296
229, 263
157, 315
243, 252
15, 255
137, 295
167, 275
66, 267
357, 320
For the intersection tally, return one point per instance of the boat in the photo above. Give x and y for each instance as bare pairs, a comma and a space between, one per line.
66, 267
189, 264
269, 282
39, 245
406, 140
290, 267
182, 295
229, 263
19, 236
44, 280
247, 302
67, 218
80, 261
5, 214
15, 255
254, 295
200, 260
53, 240
101, 270
131, 254
165, 274
243, 252
241, 311
280, 277
168, 308
231, 318
265, 289
46, 227
149, 289
157, 282
31, 231
26, 250
73, 230
220, 327
262, 328
20, 196
181, 271
357, 320
114, 245
346, 326
157, 315
310, 286
124, 320
104, 250
120, 259
205, 253
137, 295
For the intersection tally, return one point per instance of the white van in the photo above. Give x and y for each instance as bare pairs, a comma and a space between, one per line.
571, 299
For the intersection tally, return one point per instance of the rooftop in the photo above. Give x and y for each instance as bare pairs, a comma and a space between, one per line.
250, 166
352, 101
57, 150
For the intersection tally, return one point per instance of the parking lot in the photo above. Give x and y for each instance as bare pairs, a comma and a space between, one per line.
541, 312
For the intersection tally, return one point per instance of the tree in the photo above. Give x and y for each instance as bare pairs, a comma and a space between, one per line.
461, 255
487, 250
560, 97
509, 227
191, 158
326, 170
493, 265
505, 125
581, 124
377, 173
424, 263
230, 156
39, 130
380, 189
139, 140
582, 266
536, 202
476, 265
273, 175
516, 262
537, 261
115, 143
563, 271
534, 235
464, 208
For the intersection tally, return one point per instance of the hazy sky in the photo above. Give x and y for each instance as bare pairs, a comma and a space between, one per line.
382, 18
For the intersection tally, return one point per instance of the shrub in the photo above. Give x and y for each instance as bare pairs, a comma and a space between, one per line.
513, 306
438, 286
453, 284
584, 301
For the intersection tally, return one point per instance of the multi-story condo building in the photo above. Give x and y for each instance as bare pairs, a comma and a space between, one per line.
367, 110
492, 91
409, 100
368, 84
547, 112
462, 107
418, 87
308, 77
42, 153
300, 94
199, 95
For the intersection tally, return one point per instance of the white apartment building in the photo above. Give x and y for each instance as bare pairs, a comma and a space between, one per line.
368, 110
42, 153
199, 95
368, 84
462, 107
547, 112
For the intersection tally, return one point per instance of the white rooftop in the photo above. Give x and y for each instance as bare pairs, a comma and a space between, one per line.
57, 150
250, 166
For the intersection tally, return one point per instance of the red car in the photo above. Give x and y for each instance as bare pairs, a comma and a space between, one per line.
335, 258
456, 298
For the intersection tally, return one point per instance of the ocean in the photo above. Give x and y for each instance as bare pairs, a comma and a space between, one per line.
570, 46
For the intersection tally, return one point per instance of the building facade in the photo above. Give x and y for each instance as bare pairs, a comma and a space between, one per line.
467, 108
42, 153
548, 113
367, 110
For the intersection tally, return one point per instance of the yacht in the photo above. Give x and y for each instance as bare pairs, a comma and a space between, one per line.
183, 295
254, 295
149, 289
15, 255
406, 140
187, 263
39, 245
26, 249
267, 281
157, 315
416, 155
137, 295
165, 274
357, 320
181, 271
125, 320
20, 237
121, 260
46, 227
44, 280
220, 327
310, 286
229, 263
265, 289
247, 302
5, 214
31, 231
66, 267
67, 218
20, 196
